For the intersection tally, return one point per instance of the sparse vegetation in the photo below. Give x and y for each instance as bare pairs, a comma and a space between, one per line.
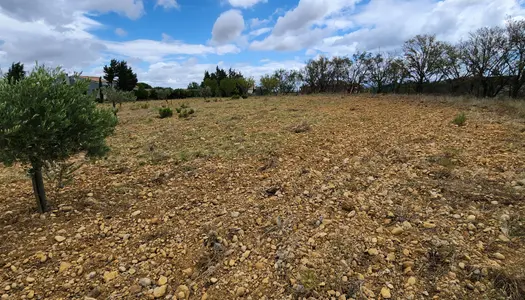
371, 183
165, 112
460, 119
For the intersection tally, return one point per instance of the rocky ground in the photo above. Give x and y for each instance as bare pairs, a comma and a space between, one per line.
281, 198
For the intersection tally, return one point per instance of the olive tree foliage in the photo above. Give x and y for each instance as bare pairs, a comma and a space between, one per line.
270, 84
118, 96
44, 118
206, 92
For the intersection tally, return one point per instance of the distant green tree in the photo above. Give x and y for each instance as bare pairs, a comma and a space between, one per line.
15, 73
205, 92
270, 83
141, 93
193, 86
153, 94
117, 96
228, 86
144, 85
213, 85
44, 119
120, 76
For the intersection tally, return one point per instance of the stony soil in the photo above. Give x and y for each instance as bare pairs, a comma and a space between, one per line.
281, 198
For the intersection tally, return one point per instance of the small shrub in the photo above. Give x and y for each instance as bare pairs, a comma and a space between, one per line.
144, 106
245, 96
460, 119
184, 111
165, 112
235, 97
301, 127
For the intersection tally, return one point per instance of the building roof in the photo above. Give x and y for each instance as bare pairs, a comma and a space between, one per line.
92, 78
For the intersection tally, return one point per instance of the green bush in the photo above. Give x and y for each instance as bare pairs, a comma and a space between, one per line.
460, 119
165, 112
245, 96
235, 97
184, 111
46, 119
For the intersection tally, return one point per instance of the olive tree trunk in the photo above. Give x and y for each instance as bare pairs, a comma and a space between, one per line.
38, 189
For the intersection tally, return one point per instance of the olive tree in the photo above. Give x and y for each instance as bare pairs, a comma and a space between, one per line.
45, 118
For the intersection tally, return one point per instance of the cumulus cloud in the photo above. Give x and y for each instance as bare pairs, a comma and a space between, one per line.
168, 4
256, 22
381, 24
64, 12
245, 3
228, 26
120, 32
260, 31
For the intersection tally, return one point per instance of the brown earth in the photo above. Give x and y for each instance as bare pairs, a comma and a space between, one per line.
318, 197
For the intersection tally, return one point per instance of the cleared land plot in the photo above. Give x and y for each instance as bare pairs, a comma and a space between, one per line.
278, 197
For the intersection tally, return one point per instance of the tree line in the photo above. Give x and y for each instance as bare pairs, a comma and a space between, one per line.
489, 62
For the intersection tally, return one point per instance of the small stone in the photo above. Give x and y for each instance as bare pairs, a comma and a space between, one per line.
266, 280
429, 225
90, 194
136, 213
145, 282
499, 256
95, 292
30, 279
503, 238
411, 280
397, 230
150, 194
60, 238
64, 266
108, 276
122, 269
214, 280
235, 214
184, 289
134, 289
204, 296
160, 291
385, 293
162, 280
259, 265
240, 291
471, 218
373, 251
187, 272
461, 265
181, 295
471, 227
30, 294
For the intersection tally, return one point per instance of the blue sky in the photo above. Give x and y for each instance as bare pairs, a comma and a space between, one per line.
172, 42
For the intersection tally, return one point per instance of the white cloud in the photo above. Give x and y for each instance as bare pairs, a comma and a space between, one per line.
315, 25
120, 32
228, 26
155, 51
168, 4
63, 12
260, 31
245, 3
256, 22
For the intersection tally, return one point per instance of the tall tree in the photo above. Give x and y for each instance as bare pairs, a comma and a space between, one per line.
15, 73
485, 53
269, 83
58, 120
228, 86
379, 70
193, 86
359, 69
110, 72
516, 55
119, 75
423, 55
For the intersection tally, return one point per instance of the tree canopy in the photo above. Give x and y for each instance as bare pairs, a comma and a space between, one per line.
44, 118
